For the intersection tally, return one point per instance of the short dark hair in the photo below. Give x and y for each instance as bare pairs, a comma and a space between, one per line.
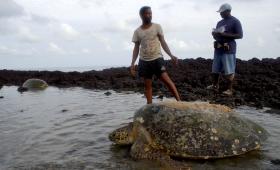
143, 9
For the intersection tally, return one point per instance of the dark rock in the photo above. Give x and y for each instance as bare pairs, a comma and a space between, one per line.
257, 82
160, 96
275, 161
107, 93
273, 111
238, 101
22, 89
259, 105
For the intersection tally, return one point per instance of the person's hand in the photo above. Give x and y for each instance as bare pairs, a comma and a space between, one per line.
214, 34
174, 60
220, 34
132, 70
217, 34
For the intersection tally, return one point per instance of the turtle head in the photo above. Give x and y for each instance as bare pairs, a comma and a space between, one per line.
123, 135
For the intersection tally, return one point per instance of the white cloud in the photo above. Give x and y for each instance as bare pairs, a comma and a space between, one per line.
102, 39
120, 25
178, 44
26, 35
88, 3
4, 50
277, 29
9, 8
55, 48
80, 28
85, 51
128, 46
68, 32
6, 27
40, 19
260, 42
182, 45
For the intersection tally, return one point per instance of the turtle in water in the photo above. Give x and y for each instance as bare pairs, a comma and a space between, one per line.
33, 84
192, 130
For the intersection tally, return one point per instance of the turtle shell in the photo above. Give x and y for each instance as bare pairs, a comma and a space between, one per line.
199, 130
36, 84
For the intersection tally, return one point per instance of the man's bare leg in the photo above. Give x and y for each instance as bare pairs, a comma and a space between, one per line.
169, 83
215, 79
148, 90
215, 82
230, 78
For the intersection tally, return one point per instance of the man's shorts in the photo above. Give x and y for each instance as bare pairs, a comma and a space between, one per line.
147, 69
224, 63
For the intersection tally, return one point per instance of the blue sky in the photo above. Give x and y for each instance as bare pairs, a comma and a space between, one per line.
69, 33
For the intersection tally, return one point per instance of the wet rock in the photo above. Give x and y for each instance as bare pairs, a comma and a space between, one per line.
160, 96
273, 111
257, 82
86, 115
275, 161
22, 89
259, 105
107, 93
238, 101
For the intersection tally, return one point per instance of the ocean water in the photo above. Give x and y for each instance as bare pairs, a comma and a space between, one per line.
67, 69
67, 129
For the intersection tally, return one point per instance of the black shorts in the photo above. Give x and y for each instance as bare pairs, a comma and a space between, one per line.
147, 69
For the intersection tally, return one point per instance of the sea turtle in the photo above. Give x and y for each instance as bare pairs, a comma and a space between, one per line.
33, 84
194, 130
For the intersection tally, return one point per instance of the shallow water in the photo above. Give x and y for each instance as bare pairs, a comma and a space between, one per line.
68, 129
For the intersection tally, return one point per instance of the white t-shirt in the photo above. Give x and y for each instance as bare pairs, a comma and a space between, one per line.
150, 48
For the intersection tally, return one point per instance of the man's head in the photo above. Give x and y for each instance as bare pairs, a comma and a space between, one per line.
225, 10
146, 14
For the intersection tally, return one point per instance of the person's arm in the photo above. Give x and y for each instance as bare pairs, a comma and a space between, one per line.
134, 58
230, 35
166, 49
238, 32
215, 36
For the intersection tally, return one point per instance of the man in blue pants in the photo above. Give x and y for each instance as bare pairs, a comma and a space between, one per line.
225, 33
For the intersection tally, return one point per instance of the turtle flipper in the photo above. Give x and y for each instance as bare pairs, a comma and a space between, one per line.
143, 150
143, 147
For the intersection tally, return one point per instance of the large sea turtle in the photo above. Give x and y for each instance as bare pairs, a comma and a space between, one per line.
33, 84
196, 130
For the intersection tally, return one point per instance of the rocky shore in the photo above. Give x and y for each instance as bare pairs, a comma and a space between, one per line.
257, 81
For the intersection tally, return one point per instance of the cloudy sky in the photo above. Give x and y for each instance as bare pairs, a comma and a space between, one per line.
73, 33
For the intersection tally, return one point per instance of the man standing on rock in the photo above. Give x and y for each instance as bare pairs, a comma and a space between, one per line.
149, 39
227, 30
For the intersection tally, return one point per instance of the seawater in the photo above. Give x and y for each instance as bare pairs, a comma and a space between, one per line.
68, 129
